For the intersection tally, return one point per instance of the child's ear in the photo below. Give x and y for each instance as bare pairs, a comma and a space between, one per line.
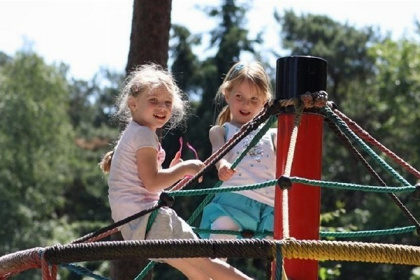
132, 103
226, 95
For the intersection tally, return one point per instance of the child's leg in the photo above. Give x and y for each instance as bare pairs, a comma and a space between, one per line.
188, 269
214, 269
224, 223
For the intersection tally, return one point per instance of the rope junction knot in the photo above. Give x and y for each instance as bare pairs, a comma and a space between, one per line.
314, 100
85, 249
284, 182
308, 100
166, 200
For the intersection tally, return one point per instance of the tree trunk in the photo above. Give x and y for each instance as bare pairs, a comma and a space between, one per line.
127, 269
149, 42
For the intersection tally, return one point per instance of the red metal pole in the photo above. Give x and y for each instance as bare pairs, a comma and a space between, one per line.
297, 75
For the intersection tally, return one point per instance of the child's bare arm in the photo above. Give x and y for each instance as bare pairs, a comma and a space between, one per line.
217, 140
217, 137
274, 137
156, 179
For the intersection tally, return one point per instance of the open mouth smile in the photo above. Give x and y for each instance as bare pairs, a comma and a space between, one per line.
161, 117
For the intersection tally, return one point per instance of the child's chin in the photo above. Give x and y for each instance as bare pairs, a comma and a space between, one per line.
161, 125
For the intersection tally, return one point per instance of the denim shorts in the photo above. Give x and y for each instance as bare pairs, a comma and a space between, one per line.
247, 213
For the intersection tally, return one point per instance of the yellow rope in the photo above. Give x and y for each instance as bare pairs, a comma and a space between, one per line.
351, 251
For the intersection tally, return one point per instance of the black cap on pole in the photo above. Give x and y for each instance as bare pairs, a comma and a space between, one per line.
297, 75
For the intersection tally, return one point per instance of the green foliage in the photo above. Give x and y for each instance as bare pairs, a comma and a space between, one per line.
185, 65
375, 82
201, 79
326, 273
36, 142
55, 130
397, 85
51, 188
415, 274
344, 47
92, 106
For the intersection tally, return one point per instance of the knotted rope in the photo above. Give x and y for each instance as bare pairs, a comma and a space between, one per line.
305, 101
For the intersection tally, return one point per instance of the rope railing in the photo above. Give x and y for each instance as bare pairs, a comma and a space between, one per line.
83, 249
322, 234
351, 135
370, 139
354, 187
241, 248
339, 126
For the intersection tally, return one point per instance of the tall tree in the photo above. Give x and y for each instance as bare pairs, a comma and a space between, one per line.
201, 79
230, 42
343, 46
230, 39
346, 50
149, 42
185, 68
37, 144
373, 80
185, 65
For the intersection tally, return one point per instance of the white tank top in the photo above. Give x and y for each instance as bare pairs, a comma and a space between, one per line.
258, 165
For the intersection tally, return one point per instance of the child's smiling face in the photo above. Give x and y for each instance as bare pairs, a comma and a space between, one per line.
152, 109
245, 102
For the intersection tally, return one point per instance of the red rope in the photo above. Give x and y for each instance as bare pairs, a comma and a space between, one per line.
47, 273
368, 138
102, 236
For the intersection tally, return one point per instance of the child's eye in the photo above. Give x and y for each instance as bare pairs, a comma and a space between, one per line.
168, 103
153, 100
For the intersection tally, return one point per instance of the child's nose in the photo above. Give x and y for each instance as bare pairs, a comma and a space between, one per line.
161, 105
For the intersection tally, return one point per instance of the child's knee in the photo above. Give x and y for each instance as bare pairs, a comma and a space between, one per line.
225, 223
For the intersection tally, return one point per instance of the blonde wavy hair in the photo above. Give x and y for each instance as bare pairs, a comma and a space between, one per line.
252, 72
143, 80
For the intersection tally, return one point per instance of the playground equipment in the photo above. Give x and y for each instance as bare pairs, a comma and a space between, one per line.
301, 107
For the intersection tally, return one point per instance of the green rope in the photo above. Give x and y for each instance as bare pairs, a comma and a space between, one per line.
343, 126
368, 233
218, 189
271, 120
151, 264
151, 219
232, 232
324, 234
80, 270
350, 186
206, 200
279, 263
255, 140
145, 270
200, 207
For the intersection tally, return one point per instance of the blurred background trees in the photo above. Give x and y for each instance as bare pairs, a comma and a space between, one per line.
55, 130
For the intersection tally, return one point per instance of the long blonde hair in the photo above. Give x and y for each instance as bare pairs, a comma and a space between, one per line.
142, 80
252, 72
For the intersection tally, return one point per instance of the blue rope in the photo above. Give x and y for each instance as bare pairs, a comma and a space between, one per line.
83, 271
